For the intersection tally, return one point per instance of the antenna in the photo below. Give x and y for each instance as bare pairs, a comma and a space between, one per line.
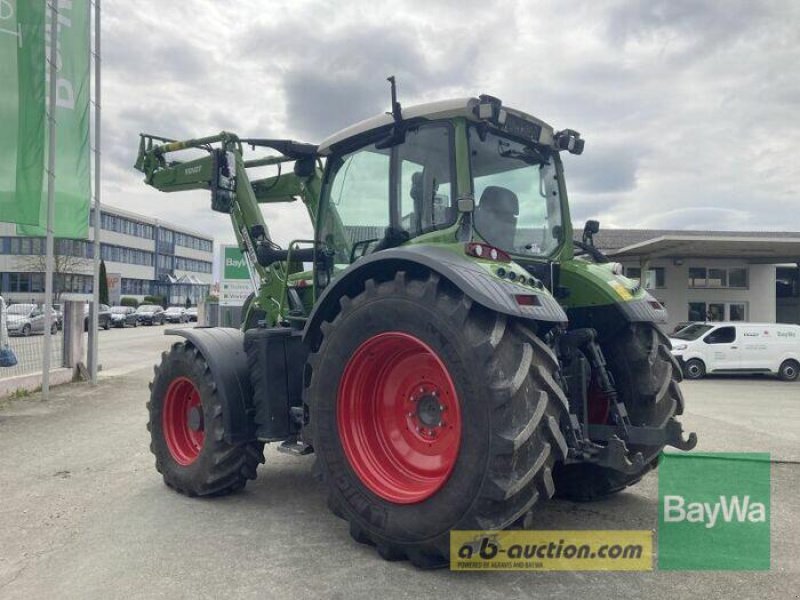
396, 114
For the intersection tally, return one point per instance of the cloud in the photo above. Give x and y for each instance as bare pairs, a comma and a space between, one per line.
689, 108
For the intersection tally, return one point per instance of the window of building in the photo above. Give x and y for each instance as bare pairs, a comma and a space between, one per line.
787, 283
737, 278
717, 277
656, 277
191, 264
697, 277
738, 311
124, 225
121, 254
717, 311
193, 242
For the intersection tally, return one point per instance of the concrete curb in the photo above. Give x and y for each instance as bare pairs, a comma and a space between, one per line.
33, 381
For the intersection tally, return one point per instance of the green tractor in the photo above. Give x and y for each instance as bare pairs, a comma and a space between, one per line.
443, 346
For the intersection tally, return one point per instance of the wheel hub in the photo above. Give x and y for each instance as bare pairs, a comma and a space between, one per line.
399, 418
182, 421
194, 418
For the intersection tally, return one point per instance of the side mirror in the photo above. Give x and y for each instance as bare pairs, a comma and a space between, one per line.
589, 230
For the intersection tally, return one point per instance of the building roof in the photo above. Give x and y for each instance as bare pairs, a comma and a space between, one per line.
755, 246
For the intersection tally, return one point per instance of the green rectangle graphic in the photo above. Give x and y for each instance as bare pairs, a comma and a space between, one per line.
22, 110
714, 511
234, 265
72, 191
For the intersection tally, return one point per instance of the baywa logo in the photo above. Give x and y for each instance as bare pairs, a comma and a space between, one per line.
234, 263
714, 511
729, 509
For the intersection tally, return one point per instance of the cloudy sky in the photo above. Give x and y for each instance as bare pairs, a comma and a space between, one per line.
690, 109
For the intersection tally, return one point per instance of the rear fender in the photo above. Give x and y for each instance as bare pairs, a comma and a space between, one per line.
479, 285
224, 352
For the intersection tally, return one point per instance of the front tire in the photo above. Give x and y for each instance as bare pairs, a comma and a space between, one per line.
26, 330
694, 369
789, 370
187, 431
647, 383
431, 413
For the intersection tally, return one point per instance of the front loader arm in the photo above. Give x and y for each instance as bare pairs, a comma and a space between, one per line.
223, 171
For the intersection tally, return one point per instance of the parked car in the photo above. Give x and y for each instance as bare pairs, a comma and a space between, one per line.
150, 314
192, 313
176, 314
25, 319
103, 316
58, 314
58, 310
738, 347
123, 316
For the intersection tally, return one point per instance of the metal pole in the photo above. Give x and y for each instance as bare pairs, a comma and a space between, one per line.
51, 205
93, 349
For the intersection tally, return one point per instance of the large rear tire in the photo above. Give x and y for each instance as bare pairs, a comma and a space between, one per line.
647, 382
187, 432
431, 413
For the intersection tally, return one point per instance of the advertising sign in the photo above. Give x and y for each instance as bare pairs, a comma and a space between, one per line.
236, 285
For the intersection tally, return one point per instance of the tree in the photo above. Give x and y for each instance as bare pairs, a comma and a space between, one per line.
188, 302
103, 283
67, 264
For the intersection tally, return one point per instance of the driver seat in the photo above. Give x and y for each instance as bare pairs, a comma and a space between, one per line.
496, 215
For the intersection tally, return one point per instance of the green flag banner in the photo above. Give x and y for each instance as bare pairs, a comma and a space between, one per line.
22, 110
72, 125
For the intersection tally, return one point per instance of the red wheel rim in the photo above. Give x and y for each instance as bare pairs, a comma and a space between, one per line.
182, 421
399, 418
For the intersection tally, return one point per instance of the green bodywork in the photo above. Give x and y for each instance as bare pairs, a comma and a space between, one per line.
588, 284
593, 284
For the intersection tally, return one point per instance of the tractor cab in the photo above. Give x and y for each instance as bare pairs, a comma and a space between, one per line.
449, 172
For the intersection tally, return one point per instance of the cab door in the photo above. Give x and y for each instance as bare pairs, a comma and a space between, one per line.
722, 349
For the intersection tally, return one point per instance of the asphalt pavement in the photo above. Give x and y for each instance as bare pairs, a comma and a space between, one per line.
83, 513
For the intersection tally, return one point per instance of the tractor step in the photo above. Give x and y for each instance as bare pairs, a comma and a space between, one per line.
295, 447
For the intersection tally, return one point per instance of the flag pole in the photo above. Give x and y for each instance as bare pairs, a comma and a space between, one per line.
93, 349
51, 193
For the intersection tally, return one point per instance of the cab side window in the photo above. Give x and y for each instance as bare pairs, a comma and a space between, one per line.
723, 335
425, 180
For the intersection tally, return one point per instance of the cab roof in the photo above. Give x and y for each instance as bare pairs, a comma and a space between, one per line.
441, 109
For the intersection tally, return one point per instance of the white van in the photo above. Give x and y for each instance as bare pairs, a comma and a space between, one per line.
738, 348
